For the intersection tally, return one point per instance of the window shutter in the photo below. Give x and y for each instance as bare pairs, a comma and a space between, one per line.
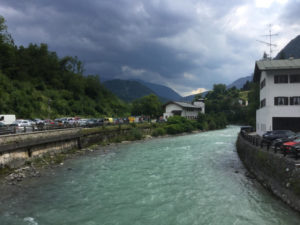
276, 101
291, 100
286, 100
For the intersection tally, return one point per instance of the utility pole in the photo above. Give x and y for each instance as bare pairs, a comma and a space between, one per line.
270, 35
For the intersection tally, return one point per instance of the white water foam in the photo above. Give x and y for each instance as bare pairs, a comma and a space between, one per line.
30, 221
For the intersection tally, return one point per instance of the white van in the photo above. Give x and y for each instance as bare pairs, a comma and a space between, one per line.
7, 119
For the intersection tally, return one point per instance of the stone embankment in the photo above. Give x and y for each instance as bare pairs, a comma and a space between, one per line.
17, 149
279, 174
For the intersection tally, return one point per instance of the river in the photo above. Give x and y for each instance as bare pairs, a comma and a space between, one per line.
186, 180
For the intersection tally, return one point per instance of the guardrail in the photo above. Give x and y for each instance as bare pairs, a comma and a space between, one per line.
253, 139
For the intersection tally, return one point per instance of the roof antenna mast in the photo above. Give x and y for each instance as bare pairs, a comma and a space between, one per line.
270, 35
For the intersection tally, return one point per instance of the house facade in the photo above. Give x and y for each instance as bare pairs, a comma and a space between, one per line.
279, 95
187, 110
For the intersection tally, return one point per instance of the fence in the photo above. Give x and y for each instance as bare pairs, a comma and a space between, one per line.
255, 140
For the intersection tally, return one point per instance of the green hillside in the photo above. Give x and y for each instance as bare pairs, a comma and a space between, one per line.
35, 82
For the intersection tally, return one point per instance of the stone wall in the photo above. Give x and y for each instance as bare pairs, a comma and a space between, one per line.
16, 149
279, 174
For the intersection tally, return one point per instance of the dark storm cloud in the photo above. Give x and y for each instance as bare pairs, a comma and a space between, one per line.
291, 13
115, 32
180, 43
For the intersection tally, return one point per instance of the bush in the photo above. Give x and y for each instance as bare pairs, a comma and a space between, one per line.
176, 120
135, 134
158, 132
174, 129
182, 125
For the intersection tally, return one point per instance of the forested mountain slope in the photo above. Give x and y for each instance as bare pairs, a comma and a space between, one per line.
35, 82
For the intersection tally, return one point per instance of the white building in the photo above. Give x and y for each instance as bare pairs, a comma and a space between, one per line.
187, 110
279, 95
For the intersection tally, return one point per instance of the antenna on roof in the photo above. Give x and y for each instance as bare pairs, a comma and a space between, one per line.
270, 35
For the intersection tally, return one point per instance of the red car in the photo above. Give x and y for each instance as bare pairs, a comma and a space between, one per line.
287, 147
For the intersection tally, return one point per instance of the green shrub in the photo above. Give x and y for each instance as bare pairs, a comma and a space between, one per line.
212, 125
174, 129
176, 120
158, 132
135, 134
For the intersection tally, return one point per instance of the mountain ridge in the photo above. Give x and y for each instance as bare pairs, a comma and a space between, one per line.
292, 49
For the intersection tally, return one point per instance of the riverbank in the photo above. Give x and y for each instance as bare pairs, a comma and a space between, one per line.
278, 174
37, 166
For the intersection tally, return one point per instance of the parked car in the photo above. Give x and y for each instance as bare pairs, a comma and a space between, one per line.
49, 123
21, 125
38, 121
5, 129
288, 147
296, 150
91, 123
270, 136
82, 122
246, 129
277, 143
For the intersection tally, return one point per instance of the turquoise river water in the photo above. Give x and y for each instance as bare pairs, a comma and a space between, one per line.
187, 180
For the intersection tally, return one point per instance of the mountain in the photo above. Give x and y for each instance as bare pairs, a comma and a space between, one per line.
127, 90
292, 49
162, 90
239, 83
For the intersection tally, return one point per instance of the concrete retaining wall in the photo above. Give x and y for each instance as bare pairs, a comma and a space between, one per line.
16, 149
279, 174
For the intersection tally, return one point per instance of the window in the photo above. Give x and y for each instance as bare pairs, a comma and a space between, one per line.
281, 101
295, 78
263, 83
281, 79
295, 100
263, 103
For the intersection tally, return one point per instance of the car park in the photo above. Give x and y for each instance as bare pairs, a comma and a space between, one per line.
270, 136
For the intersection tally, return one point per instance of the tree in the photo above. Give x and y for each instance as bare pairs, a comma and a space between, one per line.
148, 105
5, 37
265, 55
197, 96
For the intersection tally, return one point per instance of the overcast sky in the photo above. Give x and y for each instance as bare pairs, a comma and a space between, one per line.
184, 44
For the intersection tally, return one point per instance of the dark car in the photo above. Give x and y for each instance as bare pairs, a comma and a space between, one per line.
246, 129
295, 149
289, 146
277, 143
270, 136
4, 129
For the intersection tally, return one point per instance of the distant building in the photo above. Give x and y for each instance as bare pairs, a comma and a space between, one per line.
279, 95
243, 102
187, 110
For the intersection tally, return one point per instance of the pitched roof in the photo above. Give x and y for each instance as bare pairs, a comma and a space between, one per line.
184, 104
281, 64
